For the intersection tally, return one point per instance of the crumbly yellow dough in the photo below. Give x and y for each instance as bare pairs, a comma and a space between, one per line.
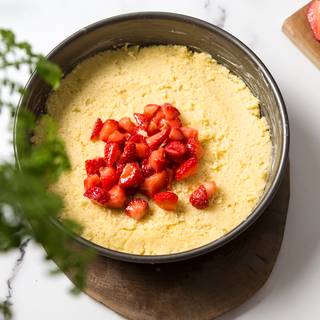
236, 140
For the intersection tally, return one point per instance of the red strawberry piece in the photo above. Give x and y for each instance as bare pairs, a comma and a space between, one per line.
189, 132
137, 208
131, 176
91, 181
199, 198
96, 129
175, 150
175, 123
211, 188
158, 116
108, 177
150, 110
129, 153
143, 150
127, 125
155, 183
170, 178
195, 148
176, 134
141, 132
97, 195
93, 165
157, 139
117, 197
157, 159
170, 112
314, 18
152, 128
119, 169
163, 123
137, 138
187, 169
146, 169
166, 200
141, 120
117, 137
108, 127
111, 153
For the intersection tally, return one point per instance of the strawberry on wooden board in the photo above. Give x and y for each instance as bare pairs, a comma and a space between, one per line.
129, 153
199, 198
131, 176
108, 127
117, 197
127, 125
108, 177
96, 130
195, 148
166, 200
111, 153
155, 183
93, 166
157, 159
150, 110
314, 18
97, 195
187, 169
157, 139
137, 208
175, 150
91, 181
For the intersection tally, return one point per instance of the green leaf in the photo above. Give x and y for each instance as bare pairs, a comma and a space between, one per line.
50, 72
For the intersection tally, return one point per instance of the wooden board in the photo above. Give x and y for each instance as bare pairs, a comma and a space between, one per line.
298, 30
203, 288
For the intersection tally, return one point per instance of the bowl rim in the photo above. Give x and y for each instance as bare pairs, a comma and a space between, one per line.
264, 201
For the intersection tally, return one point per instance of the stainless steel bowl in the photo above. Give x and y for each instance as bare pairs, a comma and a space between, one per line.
167, 28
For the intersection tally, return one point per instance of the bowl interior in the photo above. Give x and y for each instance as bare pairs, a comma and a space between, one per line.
162, 28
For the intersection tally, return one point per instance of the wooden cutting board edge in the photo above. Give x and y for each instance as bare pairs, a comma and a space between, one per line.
297, 29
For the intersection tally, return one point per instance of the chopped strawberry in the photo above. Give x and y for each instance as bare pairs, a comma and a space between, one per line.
152, 128
170, 112
117, 137
170, 178
211, 188
131, 176
189, 132
117, 197
157, 139
129, 153
143, 150
199, 198
166, 200
108, 177
91, 181
96, 129
119, 169
141, 132
314, 18
150, 110
127, 125
187, 169
108, 127
155, 183
97, 195
195, 148
93, 165
111, 153
175, 150
146, 169
163, 123
141, 120
176, 134
175, 123
137, 208
157, 159
137, 138
158, 116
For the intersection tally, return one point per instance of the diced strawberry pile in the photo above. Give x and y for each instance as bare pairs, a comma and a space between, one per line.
145, 156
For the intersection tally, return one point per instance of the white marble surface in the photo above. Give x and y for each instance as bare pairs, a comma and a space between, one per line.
292, 291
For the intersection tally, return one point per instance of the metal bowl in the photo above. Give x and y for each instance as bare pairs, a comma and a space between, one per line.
167, 28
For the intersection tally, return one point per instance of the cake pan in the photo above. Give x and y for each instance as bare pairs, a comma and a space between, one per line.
147, 28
